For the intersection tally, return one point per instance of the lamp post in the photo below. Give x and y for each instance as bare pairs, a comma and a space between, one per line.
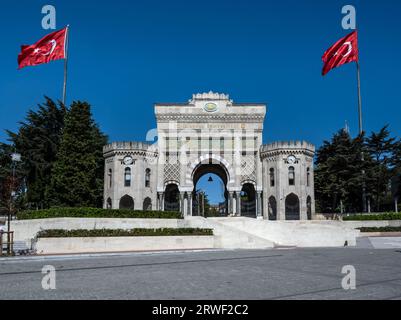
15, 157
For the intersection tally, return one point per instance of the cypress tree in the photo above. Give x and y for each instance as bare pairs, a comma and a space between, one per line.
77, 175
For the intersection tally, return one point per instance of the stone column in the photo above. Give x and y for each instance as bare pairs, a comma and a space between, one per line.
259, 214
189, 212
182, 198
239, 203
162, 201
231, 204
158, 201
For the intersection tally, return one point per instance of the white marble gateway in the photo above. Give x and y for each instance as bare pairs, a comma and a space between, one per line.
212, 134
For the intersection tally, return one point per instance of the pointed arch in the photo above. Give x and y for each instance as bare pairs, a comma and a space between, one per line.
292, 208
127, 202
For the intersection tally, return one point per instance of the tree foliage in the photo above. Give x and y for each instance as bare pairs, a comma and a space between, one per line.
77, 175
37, 141
345, 167
62, 160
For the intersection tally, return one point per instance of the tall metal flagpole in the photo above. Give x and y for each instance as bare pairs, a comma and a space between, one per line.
358, 70
65, 63
359, 97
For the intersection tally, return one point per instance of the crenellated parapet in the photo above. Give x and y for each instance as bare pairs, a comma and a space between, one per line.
130, 147
287, 148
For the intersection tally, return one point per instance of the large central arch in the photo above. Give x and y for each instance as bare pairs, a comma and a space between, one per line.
211, 164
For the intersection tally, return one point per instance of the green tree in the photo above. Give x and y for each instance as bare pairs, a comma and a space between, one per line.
37, 141
338, 174
77, 175
381, 147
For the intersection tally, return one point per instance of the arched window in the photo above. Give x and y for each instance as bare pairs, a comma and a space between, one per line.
291, 176
272, 182
127, 177
147, 204
110, 177
272, 208
308, 177
108, 203
147, 178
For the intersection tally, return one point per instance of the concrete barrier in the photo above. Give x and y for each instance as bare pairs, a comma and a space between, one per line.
233, 233
45, 246
26, 230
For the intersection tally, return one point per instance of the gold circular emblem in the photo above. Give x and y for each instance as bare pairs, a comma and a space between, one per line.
210, 107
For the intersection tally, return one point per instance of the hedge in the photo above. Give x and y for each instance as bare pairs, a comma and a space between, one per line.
374, 217
95, 213
380, 229
55, 233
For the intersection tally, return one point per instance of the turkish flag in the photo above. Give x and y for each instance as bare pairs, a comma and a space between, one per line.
343, 51
49, 48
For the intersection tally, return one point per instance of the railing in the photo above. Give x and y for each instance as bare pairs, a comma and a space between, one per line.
8, 244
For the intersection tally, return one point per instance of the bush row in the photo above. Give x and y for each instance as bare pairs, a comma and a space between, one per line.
371, 217
95, 213
380, 229
123, 233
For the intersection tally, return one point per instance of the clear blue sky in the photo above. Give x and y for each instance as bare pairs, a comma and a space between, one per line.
127, 55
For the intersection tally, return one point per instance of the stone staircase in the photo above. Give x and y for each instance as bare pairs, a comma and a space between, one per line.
248, 233
228, 237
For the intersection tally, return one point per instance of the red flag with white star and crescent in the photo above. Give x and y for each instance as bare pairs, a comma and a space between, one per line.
49, 48
343, 51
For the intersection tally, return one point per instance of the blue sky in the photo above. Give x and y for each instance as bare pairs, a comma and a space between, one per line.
127, 55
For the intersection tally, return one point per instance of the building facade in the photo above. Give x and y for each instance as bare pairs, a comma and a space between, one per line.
211, 134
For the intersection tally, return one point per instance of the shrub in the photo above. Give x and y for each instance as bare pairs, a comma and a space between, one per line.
95, 213
372, 217
123, 233
380, 229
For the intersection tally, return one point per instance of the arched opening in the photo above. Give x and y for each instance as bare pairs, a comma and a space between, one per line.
147, 204
109, 204
309, 207
127, 202
210, 196
272, 208
248, 200
171, 199
292, 210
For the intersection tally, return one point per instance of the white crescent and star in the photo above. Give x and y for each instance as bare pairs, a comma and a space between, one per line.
54, 45
349, 44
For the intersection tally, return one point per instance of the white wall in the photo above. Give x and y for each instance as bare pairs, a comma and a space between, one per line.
121, 244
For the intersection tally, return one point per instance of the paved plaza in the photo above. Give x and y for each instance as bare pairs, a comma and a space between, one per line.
244, 274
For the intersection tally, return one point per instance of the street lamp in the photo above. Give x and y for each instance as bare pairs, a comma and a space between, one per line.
15, 157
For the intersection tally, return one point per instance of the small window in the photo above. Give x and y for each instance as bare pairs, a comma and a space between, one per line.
308, 177
272, 182
147, 178
291, 176
127, 177
110, 178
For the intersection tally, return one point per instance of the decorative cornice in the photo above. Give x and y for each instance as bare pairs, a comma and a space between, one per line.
220, 117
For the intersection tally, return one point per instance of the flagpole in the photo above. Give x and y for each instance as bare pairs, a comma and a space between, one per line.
66, 65
358, 71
